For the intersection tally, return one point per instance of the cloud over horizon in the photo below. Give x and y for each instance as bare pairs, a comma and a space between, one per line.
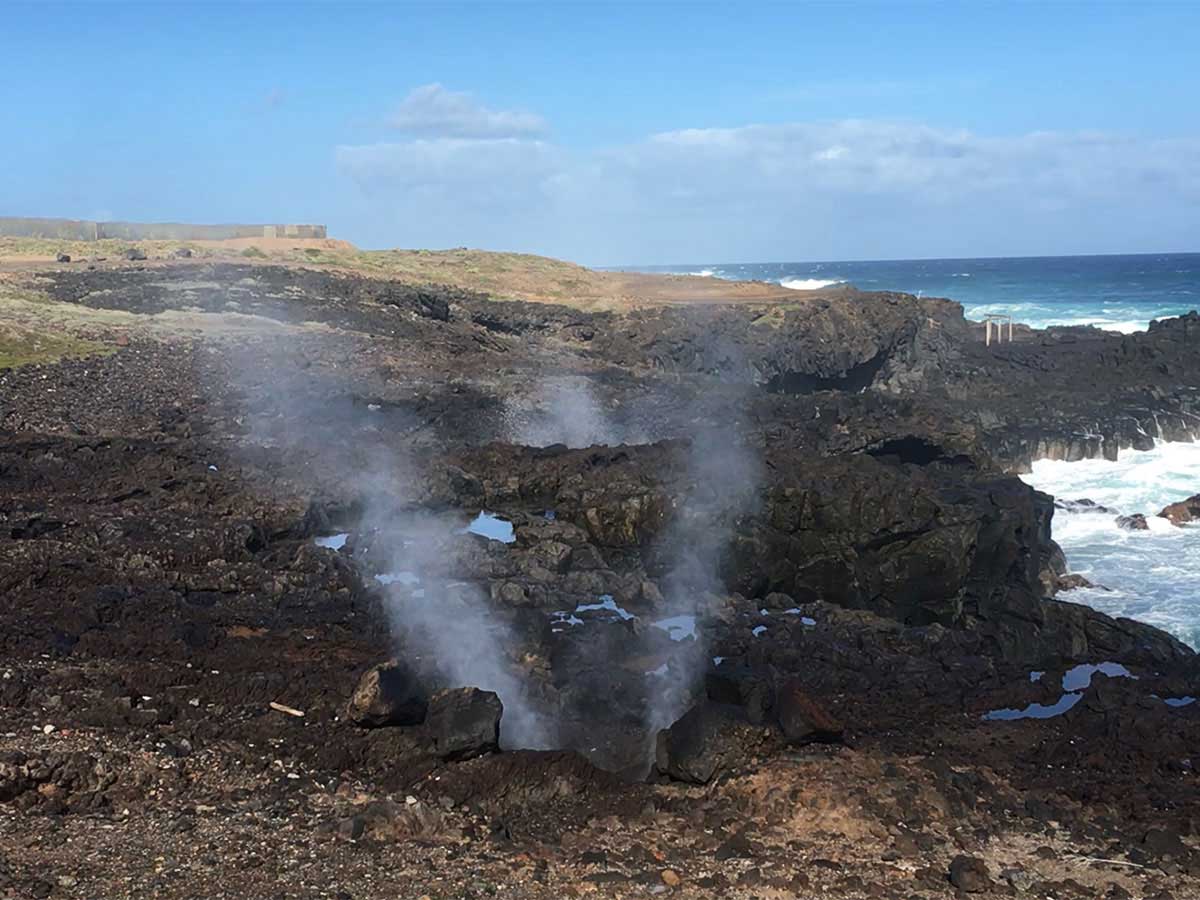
432, 110
855, 188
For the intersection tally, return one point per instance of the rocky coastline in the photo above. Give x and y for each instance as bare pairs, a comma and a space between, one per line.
755, 584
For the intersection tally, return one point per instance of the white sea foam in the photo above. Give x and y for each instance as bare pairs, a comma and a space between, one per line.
1150, 575
808, 284
1123, 326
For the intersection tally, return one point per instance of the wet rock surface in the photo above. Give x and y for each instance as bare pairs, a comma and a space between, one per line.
1182, 512
811, 721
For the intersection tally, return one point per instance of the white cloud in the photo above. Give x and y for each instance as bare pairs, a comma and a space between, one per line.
806, 190
435, 111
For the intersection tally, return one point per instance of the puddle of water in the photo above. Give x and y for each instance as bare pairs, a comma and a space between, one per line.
606, 603
1035, 710
1178, 702
660, 671
717, 660
333, 542
758, 630
491, 527
680, 628
1075, 681
408, 579
804, 620
549, 515
1080, 677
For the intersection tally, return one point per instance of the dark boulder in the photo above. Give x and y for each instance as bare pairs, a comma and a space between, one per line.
135, 254
1184, 511
183, 253
802, 719
970, 874
1136, 522
709, 739
387, 694
1072, 581
63, 258
741, 686
464, 722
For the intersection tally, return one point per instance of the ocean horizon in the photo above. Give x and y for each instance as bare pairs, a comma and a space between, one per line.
1116, 292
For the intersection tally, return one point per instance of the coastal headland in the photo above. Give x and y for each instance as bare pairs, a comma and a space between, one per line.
333, 573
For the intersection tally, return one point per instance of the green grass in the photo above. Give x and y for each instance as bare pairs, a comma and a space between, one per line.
253, 253
11, 247
20, 346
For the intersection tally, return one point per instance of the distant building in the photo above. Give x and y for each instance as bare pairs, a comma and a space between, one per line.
82, 230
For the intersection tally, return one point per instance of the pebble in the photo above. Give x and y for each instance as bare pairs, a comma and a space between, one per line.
47, 729
671, 878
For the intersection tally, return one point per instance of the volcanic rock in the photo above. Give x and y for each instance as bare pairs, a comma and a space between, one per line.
135, 254
1082, 506
708, 739
741, 686
801, 718
63, 258
1072, 581
1184, 511
464, 722
970, 874
387, 694
1136, 522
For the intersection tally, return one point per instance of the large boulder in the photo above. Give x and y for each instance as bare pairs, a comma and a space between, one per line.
387, 694
464, 722
1184, 511
707, 740
801, 718
741, 686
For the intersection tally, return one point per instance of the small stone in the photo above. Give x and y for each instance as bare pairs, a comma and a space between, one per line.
735, 847
352, 828
671, 878
1021, 880
47, 729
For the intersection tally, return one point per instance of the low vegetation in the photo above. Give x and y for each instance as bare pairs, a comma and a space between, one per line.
34, 330
21, 346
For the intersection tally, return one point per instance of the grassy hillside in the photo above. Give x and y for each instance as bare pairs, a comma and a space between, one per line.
517, 276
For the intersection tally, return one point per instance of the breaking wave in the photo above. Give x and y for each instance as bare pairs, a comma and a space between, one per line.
1146, 575
809, 284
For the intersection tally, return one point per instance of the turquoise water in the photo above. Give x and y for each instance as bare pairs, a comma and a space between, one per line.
1119, 293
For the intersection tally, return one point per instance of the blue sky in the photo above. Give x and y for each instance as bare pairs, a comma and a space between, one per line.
606, 133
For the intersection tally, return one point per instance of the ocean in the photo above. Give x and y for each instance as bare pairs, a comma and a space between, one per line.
1146, 575
1150, 575
1119, 293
